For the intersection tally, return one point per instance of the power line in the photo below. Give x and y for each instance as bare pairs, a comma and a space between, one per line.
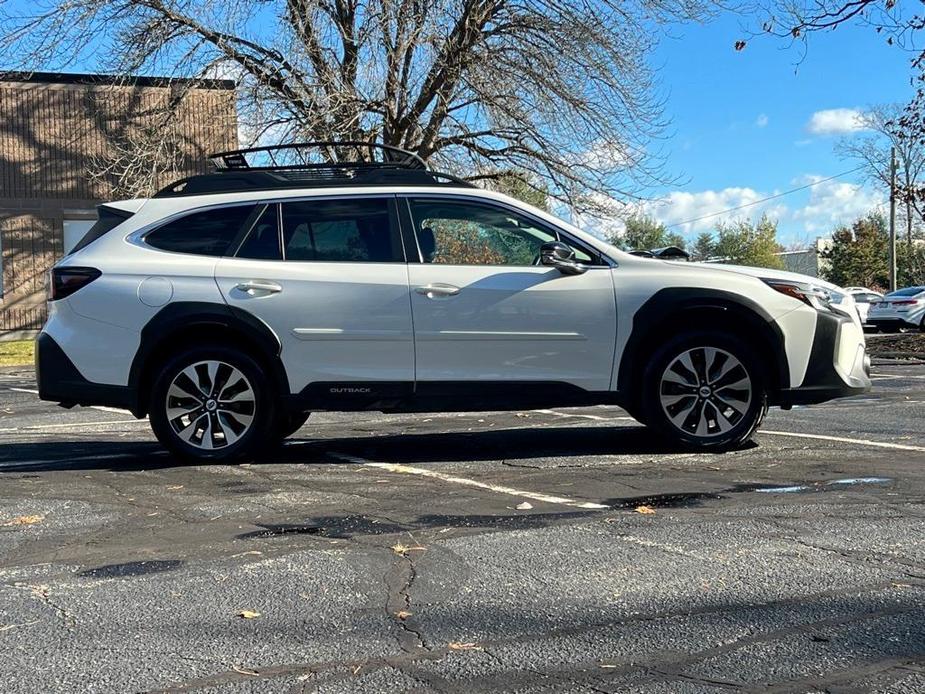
770, 197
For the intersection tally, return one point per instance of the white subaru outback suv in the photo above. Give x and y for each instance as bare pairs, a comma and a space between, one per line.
231, 305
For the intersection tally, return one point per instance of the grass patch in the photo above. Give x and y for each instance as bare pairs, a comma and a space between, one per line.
17, 353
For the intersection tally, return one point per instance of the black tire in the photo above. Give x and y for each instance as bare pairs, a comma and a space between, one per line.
231, 423
721, 418
288, 424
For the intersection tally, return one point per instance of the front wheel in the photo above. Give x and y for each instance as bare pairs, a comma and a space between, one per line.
212, 404
705, 390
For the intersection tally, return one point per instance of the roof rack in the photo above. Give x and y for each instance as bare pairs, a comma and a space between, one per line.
298, 156
310, 165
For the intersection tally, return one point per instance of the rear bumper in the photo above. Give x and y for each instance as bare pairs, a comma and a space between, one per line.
60, 381
839, 366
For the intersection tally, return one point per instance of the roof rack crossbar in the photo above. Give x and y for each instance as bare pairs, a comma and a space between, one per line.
393, 157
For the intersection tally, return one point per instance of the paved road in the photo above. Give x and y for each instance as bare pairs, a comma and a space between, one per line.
397, 553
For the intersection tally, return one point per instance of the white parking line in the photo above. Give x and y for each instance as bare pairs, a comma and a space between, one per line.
586, 416
452, 479
844, 439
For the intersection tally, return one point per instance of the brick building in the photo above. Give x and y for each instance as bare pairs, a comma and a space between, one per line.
65, 145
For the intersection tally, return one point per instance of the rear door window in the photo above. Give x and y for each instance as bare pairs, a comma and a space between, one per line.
209, 232
358, 230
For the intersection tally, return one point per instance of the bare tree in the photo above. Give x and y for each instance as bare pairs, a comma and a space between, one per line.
872, 151
558, 89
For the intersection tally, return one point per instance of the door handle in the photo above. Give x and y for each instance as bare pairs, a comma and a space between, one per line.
255, 287
438, 290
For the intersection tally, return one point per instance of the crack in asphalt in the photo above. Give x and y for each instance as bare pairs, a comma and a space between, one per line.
672, 668
398, 580
41, 592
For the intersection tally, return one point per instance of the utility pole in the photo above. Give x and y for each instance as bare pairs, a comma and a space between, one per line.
893, 219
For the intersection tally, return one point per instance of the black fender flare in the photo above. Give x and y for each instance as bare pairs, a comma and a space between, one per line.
674, 303
185, 316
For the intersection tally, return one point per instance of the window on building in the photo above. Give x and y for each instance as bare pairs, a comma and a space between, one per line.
210, 232
344, 230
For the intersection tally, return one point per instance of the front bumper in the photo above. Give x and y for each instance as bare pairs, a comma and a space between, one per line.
60, 381
838, 367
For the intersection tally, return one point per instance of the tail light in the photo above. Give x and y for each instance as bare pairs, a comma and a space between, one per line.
904, 303
67, 280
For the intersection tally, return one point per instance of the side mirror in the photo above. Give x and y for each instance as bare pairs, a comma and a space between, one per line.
558, 255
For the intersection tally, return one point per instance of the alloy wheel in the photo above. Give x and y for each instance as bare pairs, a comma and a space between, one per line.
705, 391
210, 404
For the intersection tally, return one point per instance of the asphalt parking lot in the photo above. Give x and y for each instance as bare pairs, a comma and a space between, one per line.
545, 551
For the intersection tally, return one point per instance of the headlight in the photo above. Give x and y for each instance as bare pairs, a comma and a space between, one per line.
810, 294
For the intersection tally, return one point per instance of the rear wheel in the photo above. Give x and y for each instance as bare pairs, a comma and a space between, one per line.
705, 390
212, 404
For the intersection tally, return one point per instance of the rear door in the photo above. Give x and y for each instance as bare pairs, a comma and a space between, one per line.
328, 275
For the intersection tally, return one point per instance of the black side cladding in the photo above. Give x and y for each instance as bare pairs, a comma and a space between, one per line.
60, 381
671, 305
175, 319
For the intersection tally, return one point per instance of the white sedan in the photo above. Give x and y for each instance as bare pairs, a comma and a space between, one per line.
899, 310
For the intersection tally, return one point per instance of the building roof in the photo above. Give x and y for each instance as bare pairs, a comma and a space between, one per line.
112, 80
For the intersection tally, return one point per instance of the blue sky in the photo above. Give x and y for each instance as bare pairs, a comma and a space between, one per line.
740, 122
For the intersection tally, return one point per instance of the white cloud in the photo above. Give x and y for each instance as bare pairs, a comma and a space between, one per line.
836, 121
833, 203
708, 207
761, 121
828, 205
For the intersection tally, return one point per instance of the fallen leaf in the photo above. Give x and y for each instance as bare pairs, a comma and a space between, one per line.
525, 506
26, 520
175, 487
404, 549
245, 671
645, 510
457, 646
248, 614
606, 666
403, 614
356, 670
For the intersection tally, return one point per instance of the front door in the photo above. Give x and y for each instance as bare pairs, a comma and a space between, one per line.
329, 278
485, 310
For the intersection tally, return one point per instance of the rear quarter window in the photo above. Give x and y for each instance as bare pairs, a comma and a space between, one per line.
108, 218
209, 232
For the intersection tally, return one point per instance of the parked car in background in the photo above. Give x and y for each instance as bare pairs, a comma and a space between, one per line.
864, 298
899, 310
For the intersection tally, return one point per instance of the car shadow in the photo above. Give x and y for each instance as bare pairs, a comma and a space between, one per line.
413, 448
